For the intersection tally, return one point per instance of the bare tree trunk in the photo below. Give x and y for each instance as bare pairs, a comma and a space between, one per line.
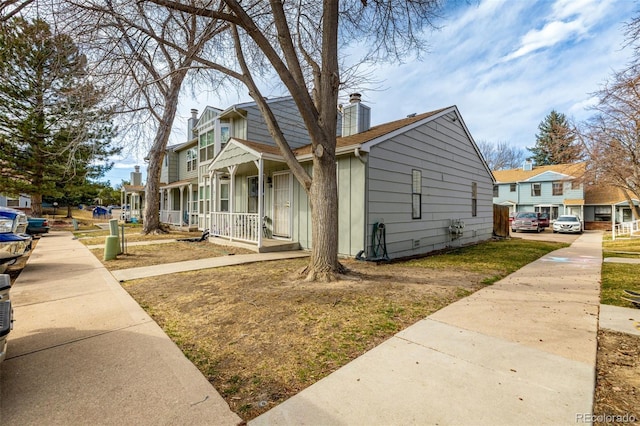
323, 264
151, 222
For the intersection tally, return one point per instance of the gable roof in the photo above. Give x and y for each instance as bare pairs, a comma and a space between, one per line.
604, 195
574, 170
364, 140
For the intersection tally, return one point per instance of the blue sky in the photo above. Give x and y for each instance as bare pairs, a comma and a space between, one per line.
505, 63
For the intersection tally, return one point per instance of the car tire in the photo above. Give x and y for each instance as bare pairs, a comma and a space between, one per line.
514, 230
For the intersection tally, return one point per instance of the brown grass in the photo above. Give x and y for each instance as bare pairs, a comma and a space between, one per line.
157, 254
260, 335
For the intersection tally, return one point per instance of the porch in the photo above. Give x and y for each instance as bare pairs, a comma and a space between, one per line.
179, 205
246, 230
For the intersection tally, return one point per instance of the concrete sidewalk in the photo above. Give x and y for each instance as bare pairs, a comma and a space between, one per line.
194, 265
83, 352
521, 351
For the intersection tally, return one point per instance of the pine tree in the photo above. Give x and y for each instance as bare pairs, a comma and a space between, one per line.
555, 142
53, 130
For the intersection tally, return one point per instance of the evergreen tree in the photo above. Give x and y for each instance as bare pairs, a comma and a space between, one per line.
555, 142
53, 132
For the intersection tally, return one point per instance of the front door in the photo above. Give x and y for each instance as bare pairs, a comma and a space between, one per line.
282, 205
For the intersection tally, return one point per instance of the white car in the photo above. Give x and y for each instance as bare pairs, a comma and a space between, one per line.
568, 223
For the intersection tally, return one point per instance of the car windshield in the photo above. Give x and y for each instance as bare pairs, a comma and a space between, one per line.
527, 215
567, 219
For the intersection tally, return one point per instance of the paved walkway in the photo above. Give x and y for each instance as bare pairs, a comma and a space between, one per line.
521, 351
194, 265
83, 352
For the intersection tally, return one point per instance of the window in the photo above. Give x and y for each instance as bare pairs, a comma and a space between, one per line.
252, 206
225, 134
602, 214
192, 159
13, 202
535, 190
206, 145
557, 188
474, 199
575, 184
416, 194
496, 190
224, 196
512, 187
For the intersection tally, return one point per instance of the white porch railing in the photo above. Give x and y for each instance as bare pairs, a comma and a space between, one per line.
626, 230
172, 217
236, 226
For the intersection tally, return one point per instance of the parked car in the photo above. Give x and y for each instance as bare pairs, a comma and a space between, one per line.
568, 223
37, 226
14, 242
527, 221
6, 314
544, 220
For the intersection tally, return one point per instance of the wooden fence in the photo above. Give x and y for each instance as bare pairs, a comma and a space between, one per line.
501, 221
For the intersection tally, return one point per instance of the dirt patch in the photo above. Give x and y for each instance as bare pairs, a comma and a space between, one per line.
261, 338
617, 394
157, 254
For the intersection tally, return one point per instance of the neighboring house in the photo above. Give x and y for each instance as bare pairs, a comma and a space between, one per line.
422, 177
605, 206
22, 201
132, 197
555, 190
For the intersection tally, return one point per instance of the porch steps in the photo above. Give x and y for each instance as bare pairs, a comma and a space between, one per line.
268, 245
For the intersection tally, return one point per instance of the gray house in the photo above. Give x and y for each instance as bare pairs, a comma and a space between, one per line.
405, 188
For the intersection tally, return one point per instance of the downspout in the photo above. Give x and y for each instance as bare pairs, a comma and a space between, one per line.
359, 156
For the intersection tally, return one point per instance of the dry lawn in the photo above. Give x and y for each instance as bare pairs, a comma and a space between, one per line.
157, 254
260, 335
618, 377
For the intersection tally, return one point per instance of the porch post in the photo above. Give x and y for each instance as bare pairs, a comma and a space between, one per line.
232, 193
232, 196
260, 200
181, 205
212, 203
189, 204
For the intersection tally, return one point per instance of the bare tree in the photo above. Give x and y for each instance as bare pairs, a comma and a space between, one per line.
300, 42
501, 155
612, 136
11, 8
144, 52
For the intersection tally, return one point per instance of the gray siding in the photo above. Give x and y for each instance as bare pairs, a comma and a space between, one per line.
288, 118
169, 172
449, 164
182, 167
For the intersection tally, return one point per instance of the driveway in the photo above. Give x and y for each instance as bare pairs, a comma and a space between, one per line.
546, 235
